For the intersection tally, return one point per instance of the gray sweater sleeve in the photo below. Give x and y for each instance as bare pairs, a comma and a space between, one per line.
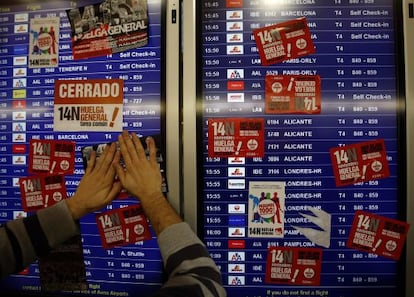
190, 269
22, 241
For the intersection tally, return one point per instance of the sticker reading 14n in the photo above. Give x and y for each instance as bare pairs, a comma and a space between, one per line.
359, 162
51, 156
297, 94
41, 191
377, 234
123, 226
88, 105
283, 41
294, 266
236, 137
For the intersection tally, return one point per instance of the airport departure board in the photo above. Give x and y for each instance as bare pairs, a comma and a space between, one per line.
301, 159
79, 72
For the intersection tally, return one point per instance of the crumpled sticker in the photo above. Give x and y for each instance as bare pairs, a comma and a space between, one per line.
321, 219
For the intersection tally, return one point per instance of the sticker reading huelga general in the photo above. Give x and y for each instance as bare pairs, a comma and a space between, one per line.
123, 226
284, 41
51, 156
236, 137
294, 266
88, 105
359, 162
292, 94
41, 191
108, 27
377, 234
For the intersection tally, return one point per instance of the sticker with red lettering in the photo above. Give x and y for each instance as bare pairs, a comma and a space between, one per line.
41, 191
377, 234
88, 105
359, 162
295, 94
236, 137
294, 266
283, 41
51, 156
123, 226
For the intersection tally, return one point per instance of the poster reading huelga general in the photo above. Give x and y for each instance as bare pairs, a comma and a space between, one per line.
108, 27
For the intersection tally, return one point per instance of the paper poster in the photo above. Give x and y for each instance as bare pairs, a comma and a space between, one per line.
359, 162
283, 41
266, 209
377, 234
44, 42
108, 27
236, 137
41, 191
122, 226
51, 156
88, 105
292, 94
294, 266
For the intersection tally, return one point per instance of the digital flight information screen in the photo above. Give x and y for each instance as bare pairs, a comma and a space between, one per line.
73, 75
301, 164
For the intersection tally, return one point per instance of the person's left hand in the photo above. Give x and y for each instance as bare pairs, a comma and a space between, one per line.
97, 187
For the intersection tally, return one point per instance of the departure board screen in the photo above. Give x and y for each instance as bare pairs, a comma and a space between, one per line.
57, 53
300, 109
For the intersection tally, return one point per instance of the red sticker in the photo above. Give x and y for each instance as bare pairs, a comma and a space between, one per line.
298, 94
294, 266
41, 191
377, 234
123, 226
51, 156
359, 162
236, 137
284, 41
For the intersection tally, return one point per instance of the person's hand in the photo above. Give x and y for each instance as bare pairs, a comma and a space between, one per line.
141, 176
97, 187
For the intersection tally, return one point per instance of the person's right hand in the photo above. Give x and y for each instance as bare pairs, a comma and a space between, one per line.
141, 176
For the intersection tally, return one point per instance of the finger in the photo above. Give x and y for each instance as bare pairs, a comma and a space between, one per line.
110, 173
138, 146
152, 149
127, 148
106, 158
111, 170
91, 162
116, 188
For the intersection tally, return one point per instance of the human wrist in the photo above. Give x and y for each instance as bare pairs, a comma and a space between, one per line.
74, 209
152, 197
